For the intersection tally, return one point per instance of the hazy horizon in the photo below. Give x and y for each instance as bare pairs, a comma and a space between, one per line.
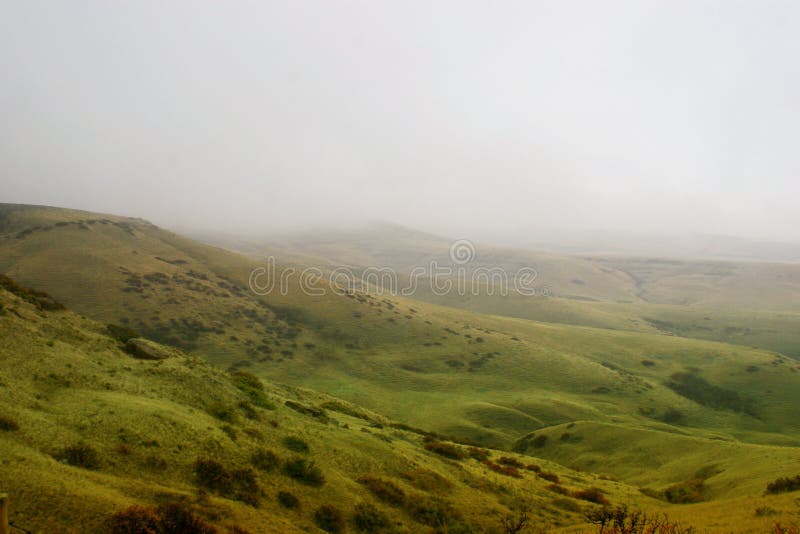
455, 118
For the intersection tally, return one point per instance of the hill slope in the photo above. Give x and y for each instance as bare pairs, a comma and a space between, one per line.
488, 379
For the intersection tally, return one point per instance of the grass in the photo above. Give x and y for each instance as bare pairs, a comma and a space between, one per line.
389, 382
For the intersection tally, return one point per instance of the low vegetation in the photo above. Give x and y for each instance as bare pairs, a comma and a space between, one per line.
784, 485
329, 519
305, 471
166, 518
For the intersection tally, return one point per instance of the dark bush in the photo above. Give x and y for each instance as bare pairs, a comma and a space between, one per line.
248, 409
550, 477
385, 490
508, 470
533, 467
478, 454
213, 476
592, 494
431, 511
304, 471
175, 517
698, 389
288, 500
251, 385
80, 455
368, 518
7, 424
329, 519
623, 520
166, 519
448, 450
685, 492
539, 441
223, 412
555, 488
295, 444
135, 520
265, 460
784, 485
513, 462
40, 299
121, 333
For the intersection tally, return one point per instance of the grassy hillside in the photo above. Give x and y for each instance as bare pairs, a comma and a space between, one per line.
487, 379
744, 302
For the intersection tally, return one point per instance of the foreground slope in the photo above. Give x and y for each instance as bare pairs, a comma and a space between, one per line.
89, 430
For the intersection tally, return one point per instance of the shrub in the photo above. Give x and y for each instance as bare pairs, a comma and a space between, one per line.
40, 299
251, 385
685, 492
223, 412
555, 488
265, 460
533, 467
121, 333
784, 485
175, 517
539, 441
384, 490
7, 424
288, 500
550, 477
367, 518
248, 410
431, 511
508, 470
167, 518
478, 454
448, 450
622, 520
80, 455
134, 520
329, 519
304, 471
513, 462
592, 494
427, 480
295, 444
213, 476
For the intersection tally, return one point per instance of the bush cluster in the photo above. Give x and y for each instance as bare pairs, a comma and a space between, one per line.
288, 500
304, 471
265, 460
7, 424
329, 519
685, 492
165, 519
508, 470
784, 485
80, 455
448, 450
592, 494
385, 490
295, 444
239, 484
368, 518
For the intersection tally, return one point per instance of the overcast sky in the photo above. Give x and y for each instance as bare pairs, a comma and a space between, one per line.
448, 116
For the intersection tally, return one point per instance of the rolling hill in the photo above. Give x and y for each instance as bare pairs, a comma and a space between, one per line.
699, 406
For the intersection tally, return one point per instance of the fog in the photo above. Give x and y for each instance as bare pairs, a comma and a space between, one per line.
453, 117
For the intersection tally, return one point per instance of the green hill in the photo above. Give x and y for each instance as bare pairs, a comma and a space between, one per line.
487, 379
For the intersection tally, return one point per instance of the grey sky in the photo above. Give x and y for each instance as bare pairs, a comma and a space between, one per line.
448, 116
